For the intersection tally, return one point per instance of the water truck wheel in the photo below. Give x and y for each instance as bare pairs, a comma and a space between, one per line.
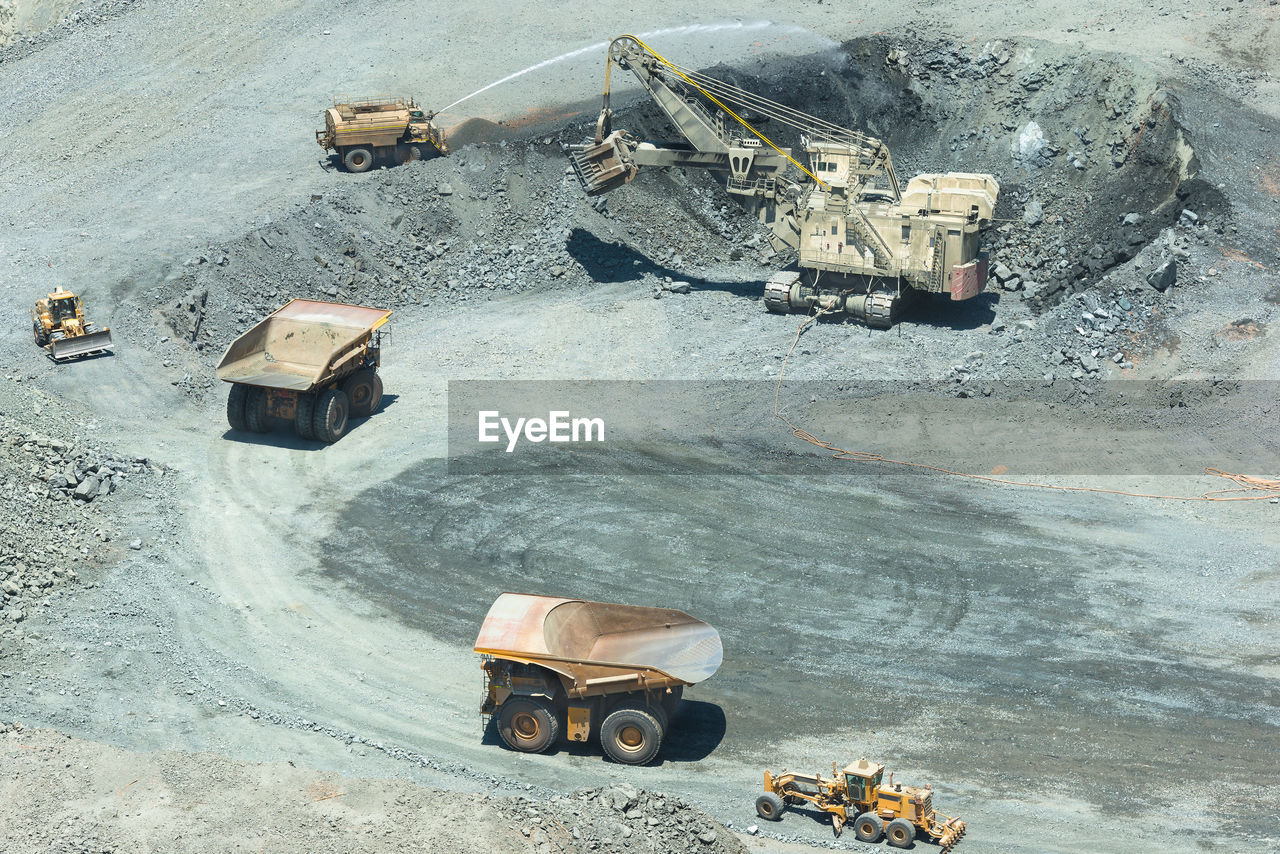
358, 160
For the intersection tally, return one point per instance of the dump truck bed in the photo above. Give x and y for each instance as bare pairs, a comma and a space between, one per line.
297, 346
597, 644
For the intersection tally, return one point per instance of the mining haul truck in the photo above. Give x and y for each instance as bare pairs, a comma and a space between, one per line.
312, 363
865, 244
59, 325
363, 130
567, 667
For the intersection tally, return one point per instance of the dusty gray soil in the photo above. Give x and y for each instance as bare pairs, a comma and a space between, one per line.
71, 795
1070, 671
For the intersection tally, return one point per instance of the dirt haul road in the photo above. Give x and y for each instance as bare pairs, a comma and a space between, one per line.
1070, 673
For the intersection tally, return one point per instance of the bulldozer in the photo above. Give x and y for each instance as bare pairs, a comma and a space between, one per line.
362, 130
859, 794
866, 246
60, 327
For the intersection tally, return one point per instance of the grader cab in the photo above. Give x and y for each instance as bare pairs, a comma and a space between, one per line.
858, 794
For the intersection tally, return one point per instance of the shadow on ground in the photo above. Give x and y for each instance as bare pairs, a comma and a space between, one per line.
282, 434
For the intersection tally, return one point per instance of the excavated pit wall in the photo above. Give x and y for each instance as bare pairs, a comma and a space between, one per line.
1089, 151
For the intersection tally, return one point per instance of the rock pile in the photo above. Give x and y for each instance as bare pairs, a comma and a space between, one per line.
16, 45
51, 521
501, 218
621, 818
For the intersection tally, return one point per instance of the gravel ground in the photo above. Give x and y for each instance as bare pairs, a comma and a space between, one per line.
1062, 668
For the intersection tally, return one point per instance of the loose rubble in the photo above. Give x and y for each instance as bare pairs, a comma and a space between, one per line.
53, 522
279, 807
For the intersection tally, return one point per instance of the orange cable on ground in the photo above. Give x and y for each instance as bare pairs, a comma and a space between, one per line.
1246, 484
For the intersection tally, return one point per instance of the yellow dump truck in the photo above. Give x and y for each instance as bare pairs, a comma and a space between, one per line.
364, 130
568, 667
312, 363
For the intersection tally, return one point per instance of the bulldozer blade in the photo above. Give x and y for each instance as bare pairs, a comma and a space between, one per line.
601, 167
82, 345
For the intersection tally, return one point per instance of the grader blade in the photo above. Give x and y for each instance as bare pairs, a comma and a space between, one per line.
603, 166
82, 345
837, 824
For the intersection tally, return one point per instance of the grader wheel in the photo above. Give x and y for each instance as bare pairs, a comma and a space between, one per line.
868, 827
900, 833
769, 807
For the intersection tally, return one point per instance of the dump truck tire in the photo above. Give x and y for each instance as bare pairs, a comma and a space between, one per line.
658, 711
235, 408
364, 392
358, 160
407, 153
528, 724
631, 736
671, 702
331, 417
769, 807
900, 833
255, 411
304, 416
868, 827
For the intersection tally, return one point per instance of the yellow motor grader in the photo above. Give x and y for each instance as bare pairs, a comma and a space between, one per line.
60, 327
858, 794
